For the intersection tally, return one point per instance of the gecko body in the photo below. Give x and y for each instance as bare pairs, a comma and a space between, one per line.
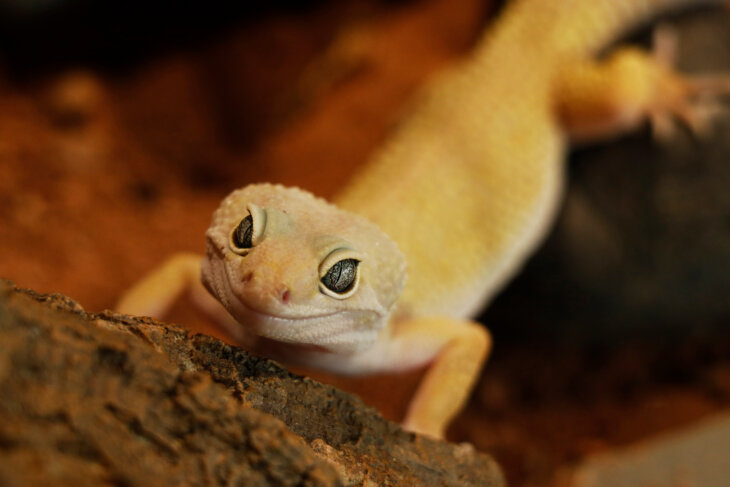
445, 212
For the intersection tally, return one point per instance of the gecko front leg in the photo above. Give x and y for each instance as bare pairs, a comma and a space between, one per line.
462, 347
454, 351
179, 275
156, 292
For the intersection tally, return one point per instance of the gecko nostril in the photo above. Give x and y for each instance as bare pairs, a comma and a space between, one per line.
285, 296
247, 277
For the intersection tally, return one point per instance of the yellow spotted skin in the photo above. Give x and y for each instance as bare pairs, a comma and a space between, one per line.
453, 203
471, 180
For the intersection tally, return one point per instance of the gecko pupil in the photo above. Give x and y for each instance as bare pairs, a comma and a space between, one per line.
341, 276
243, 235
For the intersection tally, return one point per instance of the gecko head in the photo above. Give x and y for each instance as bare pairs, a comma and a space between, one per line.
296, 269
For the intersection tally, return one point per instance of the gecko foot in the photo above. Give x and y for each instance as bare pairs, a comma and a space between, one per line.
694, 101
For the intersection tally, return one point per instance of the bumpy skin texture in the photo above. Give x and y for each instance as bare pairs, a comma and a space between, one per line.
275, 285
466, 187
470, 182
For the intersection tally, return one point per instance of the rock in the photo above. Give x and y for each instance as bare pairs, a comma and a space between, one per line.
101, 399
697, 455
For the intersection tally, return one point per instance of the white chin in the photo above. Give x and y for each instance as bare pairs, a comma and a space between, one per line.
341, 332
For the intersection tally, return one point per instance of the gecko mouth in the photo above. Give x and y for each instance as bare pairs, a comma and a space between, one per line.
267, 314
341, 330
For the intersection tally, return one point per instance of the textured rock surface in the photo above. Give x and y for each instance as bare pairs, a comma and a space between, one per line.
107, 399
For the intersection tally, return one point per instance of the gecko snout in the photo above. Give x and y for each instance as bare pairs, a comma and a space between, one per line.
281, 292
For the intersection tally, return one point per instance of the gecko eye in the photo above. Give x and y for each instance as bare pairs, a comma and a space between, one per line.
249, 232
243, 234
341, 278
